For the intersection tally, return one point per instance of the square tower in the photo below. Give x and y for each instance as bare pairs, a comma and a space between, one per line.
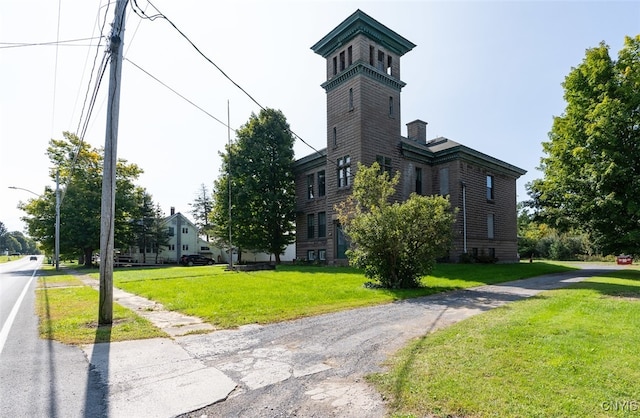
363, 107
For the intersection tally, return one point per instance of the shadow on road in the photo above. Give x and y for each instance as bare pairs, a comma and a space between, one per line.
97, 394
53, 409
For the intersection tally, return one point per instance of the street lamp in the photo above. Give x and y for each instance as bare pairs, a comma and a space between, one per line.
26, 190
57, 228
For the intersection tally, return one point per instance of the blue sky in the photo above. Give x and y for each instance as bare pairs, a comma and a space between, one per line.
485, 74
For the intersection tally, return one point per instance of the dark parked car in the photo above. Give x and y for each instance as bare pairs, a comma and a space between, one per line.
33, 257
195, 260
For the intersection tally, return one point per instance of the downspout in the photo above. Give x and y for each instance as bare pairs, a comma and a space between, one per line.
464, 216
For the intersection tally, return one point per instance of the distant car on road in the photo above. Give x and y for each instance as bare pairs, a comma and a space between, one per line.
33, 258
195, 260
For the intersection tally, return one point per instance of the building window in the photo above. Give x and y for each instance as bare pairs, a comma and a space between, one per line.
172, 247
372, 52
490, 225
310, 226
185, 230
492, 253
335, 136
311, 255
185, 247
380, 60
310, 186
321, 184
350, 99
349, 56
418, 180
384, 163
344, 171
490, 188
335, 65
444, 181
391, 106
322, 224
170, 231
342, 243
322, 255
389, 61
342, 62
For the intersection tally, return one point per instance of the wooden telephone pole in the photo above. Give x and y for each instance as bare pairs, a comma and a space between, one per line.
107, 224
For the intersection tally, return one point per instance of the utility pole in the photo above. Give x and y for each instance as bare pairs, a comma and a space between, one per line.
57, 232
229, 186
107, 222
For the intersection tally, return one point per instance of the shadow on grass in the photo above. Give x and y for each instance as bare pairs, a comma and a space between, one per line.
97, 389
615, 290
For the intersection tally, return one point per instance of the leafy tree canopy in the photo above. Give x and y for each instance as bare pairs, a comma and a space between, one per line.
80, 168
260, 164
591, 165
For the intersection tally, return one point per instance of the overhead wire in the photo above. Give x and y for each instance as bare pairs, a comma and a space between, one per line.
89, 101
161, 15
5, 45
179, 95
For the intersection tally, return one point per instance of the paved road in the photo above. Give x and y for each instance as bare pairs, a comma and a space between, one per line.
38, 378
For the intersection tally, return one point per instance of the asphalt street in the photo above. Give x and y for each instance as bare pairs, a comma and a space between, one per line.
38, 377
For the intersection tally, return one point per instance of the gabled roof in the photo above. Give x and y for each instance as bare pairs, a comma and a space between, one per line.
361, 23
183, 218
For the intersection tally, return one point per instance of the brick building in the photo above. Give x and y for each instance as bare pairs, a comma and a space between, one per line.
363, 88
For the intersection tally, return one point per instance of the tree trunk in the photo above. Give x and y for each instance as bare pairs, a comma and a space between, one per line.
88, 255
277, 258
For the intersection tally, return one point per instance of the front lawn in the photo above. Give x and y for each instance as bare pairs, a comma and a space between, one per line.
68, 312
565, 353
229, 299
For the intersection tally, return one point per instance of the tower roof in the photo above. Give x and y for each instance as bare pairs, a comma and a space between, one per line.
360, 22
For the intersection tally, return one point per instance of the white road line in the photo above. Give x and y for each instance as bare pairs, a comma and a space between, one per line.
14, 311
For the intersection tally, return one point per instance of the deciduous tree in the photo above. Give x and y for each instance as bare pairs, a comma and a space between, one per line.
260, 164
591, 165
81, 184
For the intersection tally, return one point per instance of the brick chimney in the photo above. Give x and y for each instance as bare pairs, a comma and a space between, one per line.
173, 210
417, 131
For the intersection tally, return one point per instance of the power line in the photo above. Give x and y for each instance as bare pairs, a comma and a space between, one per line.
160, 15
6, 45
179, 95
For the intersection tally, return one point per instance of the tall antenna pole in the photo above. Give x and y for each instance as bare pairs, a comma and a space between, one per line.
107, 222
229, 185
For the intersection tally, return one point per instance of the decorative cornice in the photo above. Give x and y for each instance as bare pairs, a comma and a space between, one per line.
360, 68
317, 159
420, 153
360, 22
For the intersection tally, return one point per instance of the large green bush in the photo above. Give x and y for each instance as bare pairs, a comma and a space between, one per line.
394, 243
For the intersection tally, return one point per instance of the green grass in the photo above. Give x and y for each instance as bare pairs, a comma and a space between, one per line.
6, 258
565, 353
230, 299
68, 312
